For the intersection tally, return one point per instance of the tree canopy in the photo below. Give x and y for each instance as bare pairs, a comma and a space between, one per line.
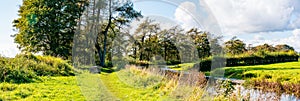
48, 26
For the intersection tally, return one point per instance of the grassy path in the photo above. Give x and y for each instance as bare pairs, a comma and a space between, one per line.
93, 88
127, 92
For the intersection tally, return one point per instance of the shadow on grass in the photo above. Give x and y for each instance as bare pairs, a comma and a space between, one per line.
107, 70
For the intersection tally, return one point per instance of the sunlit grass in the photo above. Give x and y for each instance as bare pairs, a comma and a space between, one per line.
279, 72
125, 91
50, 89
139, 78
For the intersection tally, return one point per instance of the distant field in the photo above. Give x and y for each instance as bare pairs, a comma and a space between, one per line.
279, 72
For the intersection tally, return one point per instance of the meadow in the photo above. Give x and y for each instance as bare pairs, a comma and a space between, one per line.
288, 72
48, 78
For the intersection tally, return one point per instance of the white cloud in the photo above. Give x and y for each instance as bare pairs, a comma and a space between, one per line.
248, 16
292, 40
259, 37
185, 14
9, 50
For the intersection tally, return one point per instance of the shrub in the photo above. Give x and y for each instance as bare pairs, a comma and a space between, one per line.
12, 71
27, 68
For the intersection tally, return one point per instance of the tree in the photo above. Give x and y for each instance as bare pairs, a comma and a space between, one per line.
145, 31
264, 47
216, 48
48, 26
284, 47
235, 46
200, 39
105, 19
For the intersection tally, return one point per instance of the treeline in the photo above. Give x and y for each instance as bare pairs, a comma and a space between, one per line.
86, 42
246, 60
151, 43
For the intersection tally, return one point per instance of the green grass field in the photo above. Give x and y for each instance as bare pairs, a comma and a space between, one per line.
50, 89
279, 72
130, 84
86, 86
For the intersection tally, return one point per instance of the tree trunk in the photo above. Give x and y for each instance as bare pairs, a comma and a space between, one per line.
102, 59
142, 48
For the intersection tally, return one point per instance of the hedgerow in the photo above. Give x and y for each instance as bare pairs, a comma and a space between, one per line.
247, 59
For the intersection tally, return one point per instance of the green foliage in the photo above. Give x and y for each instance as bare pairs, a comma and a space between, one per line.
48, 26
200, 39
261, 57
27, 68
247, 59
235, 46
47, 65
12, 70
119, 15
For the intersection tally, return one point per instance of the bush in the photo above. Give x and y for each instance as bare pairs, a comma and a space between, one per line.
27, 68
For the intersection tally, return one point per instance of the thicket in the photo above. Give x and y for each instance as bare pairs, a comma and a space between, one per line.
28, 68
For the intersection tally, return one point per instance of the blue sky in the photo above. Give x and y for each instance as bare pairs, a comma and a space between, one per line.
9, 9
253, 21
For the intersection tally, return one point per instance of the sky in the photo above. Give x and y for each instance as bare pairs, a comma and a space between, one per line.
253, 21
9, 12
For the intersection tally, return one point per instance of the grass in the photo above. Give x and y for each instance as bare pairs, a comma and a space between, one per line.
182, 67
127, 84
50, 89
139, 78
126, 91
92, 87
87, 86
142, 85
288, 72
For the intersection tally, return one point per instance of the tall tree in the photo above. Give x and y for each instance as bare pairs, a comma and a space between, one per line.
48, 26
105, 19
